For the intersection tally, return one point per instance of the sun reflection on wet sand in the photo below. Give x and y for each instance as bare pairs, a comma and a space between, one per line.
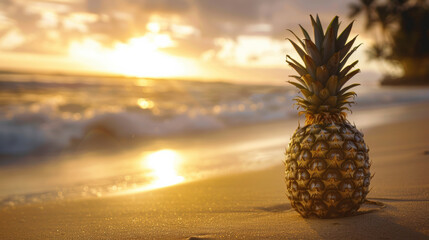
163, 165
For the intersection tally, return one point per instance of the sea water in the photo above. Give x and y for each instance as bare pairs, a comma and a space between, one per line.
51, 112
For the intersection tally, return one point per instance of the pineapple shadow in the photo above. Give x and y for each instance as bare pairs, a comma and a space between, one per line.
373, 217
276, 208
377, 225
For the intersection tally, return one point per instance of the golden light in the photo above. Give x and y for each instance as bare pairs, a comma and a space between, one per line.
163, 165
145, 103
153, 27
144, 82
140, 56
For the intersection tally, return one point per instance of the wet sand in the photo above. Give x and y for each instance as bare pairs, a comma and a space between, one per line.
251, 205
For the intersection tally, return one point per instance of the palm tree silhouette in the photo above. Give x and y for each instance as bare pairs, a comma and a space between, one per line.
405, 42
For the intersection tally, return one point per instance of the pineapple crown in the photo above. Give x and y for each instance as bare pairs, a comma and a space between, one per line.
322, 78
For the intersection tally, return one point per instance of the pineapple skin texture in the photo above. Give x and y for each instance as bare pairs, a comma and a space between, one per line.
327, 170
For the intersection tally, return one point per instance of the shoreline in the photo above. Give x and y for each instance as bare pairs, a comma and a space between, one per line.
126, 143
251, 205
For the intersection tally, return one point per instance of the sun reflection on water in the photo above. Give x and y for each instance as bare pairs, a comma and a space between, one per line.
163, 166
145, 103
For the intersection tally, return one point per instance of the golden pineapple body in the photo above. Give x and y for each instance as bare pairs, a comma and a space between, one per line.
327, 170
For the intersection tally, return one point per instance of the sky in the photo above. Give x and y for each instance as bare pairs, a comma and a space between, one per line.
242, 40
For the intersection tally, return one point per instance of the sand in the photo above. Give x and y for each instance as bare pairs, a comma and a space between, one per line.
250, 205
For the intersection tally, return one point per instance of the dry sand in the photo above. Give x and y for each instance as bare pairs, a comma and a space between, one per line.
250, 205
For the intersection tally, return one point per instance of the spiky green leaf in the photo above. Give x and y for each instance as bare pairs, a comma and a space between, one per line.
347, 69
313, 52
316, 88
345, 89
306, 93
297, 38
342, 39
302, 102
322, 74
300, 52
333, 64
318, 21
332, 84
345, 109
308, 81
345, 103
318, 33
328, 45
299, 86
346, 48
346, 78
299, 79
315, 100
334, 25
310, 66
346, 96
297, 66
329, 39
344, 61
305, 33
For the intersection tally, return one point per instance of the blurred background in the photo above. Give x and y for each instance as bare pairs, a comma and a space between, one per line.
91, 90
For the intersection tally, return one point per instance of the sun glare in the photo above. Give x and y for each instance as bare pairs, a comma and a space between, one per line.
139, 56
163, 165
153, 27
145, 103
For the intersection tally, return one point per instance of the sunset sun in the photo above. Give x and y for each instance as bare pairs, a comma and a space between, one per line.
139, 56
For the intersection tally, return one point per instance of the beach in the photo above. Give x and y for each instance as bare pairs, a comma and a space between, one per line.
214, 119
252, 204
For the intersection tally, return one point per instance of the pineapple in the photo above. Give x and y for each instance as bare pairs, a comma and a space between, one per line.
327, 163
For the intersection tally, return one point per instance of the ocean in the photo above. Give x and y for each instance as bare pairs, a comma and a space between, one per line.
51, 112
45, 118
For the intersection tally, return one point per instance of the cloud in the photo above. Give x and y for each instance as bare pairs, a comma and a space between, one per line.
196, 26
